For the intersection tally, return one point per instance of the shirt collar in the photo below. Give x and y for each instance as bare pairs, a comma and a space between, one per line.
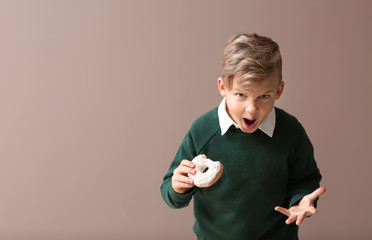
267, 126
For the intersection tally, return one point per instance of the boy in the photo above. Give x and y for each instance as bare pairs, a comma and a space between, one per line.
267, 157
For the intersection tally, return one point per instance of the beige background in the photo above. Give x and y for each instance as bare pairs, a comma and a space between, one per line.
96, 96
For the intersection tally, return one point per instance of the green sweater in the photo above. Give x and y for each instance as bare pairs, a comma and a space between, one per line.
259, 173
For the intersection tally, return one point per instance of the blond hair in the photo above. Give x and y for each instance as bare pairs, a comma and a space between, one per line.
252, 57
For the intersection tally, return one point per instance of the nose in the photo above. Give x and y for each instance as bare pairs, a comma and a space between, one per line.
251, 107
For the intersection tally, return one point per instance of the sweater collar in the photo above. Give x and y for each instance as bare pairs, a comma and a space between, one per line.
267, 126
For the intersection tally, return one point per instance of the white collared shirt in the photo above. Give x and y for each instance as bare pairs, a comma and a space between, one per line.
267, 126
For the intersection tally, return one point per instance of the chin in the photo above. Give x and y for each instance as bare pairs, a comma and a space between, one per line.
249, 130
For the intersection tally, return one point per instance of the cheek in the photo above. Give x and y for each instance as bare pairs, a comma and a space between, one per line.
238, 109
266, 109
234, 107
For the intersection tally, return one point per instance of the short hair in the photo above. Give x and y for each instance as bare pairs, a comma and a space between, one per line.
251, 56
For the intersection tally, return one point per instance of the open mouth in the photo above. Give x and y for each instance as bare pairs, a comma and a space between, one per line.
250, 123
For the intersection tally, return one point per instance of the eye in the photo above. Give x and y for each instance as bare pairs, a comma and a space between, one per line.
240, 95
265, 96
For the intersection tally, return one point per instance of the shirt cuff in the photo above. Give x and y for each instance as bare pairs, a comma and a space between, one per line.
181, 197
295, 199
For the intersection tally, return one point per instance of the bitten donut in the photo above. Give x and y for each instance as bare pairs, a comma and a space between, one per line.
209, 177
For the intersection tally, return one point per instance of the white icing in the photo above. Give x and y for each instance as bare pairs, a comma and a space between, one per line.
201, 178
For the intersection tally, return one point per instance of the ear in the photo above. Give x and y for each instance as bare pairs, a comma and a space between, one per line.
280, 90
221, 87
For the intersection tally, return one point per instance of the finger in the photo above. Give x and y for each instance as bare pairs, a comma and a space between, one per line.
177, 184
283, 210
300, 219
181, 187
187, 163
179, 181
311, 211
291, 219
182, 179
183, 170
314, 195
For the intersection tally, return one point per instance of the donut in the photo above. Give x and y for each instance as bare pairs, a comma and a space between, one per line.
207, 178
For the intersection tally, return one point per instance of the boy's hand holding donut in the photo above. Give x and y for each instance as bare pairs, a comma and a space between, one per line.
181, 183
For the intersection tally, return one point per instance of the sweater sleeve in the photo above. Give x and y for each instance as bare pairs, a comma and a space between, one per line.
172, 198
304, 173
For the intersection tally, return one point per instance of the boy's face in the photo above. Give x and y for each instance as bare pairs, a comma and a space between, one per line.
249, 107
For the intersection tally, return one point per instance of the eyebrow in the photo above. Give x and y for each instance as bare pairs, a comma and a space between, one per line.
243, 91
268, 92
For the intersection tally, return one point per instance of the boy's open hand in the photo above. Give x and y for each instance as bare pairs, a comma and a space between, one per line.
303, 209
181, 183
